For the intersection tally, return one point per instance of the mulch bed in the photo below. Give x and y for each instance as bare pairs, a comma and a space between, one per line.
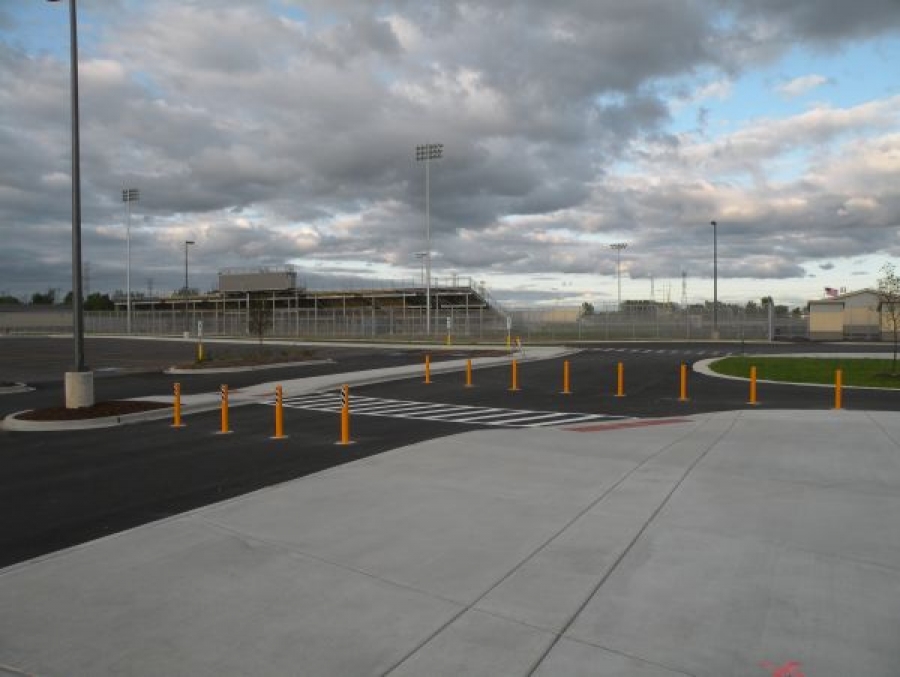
99, 410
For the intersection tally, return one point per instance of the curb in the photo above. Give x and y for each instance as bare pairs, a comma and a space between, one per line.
703, 367
207, 402
14, 424
234, 370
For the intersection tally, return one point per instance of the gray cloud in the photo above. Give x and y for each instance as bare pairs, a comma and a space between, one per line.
269, 137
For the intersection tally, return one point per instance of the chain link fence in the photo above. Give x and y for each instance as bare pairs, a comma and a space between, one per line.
403, 324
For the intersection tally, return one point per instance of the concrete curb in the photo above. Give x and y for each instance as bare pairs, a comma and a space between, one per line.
14, 424
234, 370
205, 402
703, 367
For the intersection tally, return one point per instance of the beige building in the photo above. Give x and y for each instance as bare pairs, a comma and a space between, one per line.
853, 316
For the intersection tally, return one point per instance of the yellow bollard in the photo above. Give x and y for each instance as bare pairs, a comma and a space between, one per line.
176, 422
838, 382
515, 376
428, 369
345, 415
279, 413
620, 380
683, 392
566, 390
224, 396
468, 373
752, 386
200, 352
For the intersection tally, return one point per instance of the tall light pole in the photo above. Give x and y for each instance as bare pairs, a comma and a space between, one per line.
619, 246
186, 243
715, 280
80, 385
129, 195
421, 257
428, 152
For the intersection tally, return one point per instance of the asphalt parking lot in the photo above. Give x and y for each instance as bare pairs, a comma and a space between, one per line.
479, 530
78, 485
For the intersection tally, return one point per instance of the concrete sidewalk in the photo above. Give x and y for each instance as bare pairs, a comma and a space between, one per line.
725, 544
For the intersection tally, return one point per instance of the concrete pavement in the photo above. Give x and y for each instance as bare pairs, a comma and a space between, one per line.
730, 543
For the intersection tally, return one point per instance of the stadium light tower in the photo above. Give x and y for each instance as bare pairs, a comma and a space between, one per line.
80, 382
129, 195
186, 243
619, 246
427, 152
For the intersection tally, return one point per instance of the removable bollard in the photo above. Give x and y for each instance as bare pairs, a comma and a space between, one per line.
428, 369
682, 397
752, 386
224, 397
345, 414
279, 414
176, 408
620, 380
566, 390
838, 384
468, 373
515, 376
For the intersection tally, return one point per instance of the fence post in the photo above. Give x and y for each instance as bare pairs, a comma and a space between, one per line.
176, 422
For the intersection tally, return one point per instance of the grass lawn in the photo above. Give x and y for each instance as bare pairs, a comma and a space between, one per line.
855, 372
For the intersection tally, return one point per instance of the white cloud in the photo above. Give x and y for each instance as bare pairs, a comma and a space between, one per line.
801, 85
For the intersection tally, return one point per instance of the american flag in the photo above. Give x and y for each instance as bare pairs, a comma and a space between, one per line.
831, 291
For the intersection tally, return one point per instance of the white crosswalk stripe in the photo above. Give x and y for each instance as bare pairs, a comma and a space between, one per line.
433, 411
661, 351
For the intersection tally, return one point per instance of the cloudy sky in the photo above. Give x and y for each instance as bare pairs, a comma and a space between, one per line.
284, 131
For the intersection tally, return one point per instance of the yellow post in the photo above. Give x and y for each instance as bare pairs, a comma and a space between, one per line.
566, 390
428, 369
683, 393
752, 386
468, 373
515, 376
620, 380
176, 422
200, 351
224, 393
279, 413
345, 414
838, 382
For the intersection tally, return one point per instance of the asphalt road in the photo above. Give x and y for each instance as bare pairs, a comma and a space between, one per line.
60, 489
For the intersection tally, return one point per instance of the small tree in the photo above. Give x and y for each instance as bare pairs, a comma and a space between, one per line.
47, 299
889, 304
587, 309
259, 317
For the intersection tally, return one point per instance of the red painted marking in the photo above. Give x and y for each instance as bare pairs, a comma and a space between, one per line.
627, 424
789, 669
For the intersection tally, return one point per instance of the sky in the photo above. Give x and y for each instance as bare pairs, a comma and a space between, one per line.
274, 132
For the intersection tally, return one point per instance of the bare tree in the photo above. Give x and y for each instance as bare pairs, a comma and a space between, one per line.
889, 304
259, 318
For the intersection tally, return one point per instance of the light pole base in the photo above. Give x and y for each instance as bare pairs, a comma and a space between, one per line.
79, 389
